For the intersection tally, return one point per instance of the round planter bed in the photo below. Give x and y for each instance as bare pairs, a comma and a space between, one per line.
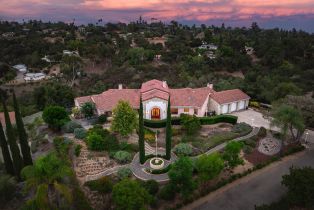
156, 163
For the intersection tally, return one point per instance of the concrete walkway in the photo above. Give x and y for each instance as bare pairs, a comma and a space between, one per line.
260, 187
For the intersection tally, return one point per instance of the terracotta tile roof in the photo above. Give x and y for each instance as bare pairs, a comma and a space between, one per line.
189, 97
107, 100
12, 118
155, 94
83, 99
154, 84
228, 96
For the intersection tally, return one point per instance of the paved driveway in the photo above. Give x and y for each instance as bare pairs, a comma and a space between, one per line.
253, 118
260, 187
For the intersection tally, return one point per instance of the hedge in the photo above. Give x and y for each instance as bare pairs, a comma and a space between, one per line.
204, 121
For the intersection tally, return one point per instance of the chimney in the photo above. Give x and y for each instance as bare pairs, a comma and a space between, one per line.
211, 86
164, 84
120, 87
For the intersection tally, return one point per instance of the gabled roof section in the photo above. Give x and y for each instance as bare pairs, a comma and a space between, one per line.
189, 97
228, 96
155, 93
107, 100
154, 84
83, 99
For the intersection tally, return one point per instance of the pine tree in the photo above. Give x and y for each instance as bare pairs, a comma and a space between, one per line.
14, 148
141, 134
168, 132
5, 152
26, 152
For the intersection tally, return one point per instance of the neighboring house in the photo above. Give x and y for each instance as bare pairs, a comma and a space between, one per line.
20, 67
70, 53
46, 59
12, 118
206, 46
249, 50
34, 76
155, 95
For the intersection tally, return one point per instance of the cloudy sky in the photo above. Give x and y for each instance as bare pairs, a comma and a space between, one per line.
268, 13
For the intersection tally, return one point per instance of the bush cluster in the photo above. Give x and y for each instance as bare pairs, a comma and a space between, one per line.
122, 156
124, 173
80, 133
183, 149
103, 185
204, 121
70, 126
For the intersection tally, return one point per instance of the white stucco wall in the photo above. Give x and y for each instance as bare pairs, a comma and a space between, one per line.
155, 103
204, 108
214, 106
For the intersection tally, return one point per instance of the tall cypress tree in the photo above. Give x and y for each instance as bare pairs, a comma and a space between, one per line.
5, 152
26, 152
14, 148
168, 132
141, 142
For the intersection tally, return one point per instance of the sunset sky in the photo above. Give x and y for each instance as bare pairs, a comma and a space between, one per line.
268, 13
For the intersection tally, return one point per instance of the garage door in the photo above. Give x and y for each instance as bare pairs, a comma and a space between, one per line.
233, 107
224, 109
241, 105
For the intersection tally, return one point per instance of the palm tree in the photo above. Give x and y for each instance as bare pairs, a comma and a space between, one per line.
48, 178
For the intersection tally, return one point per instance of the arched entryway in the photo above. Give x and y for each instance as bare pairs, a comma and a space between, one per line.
155, 113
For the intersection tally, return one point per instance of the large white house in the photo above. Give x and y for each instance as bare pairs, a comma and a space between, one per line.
155, 95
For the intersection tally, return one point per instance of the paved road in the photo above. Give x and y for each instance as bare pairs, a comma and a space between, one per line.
261, 187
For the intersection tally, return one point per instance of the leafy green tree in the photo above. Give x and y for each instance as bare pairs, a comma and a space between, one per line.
232, 152
181, 176
209, 166
168, 132
26, 152
88, 109
70, 67
6, 153
55, 116
151, 186
141, 142
95, 142
124, 118
288, 118
48, 177
300, 184
14, 148
190, 123
130, 195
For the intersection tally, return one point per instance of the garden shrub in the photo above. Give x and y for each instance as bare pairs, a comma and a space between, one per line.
262, 132
168, 192
247, 149
149, 135
7, 188
110, 141
102, 118
62, 145
254, 104
103, 185
190, 123
95, 142
70, 126
183, 149
151, 186
122, 156
250, 142
231, 153
77, 150
124, 173
80, 133
128, 147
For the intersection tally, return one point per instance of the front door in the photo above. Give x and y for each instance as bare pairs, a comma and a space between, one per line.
155, 114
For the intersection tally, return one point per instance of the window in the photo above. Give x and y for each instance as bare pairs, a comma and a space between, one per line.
196, 111
174, 110
186, 110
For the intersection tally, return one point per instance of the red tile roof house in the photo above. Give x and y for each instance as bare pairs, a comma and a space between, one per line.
155, 95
